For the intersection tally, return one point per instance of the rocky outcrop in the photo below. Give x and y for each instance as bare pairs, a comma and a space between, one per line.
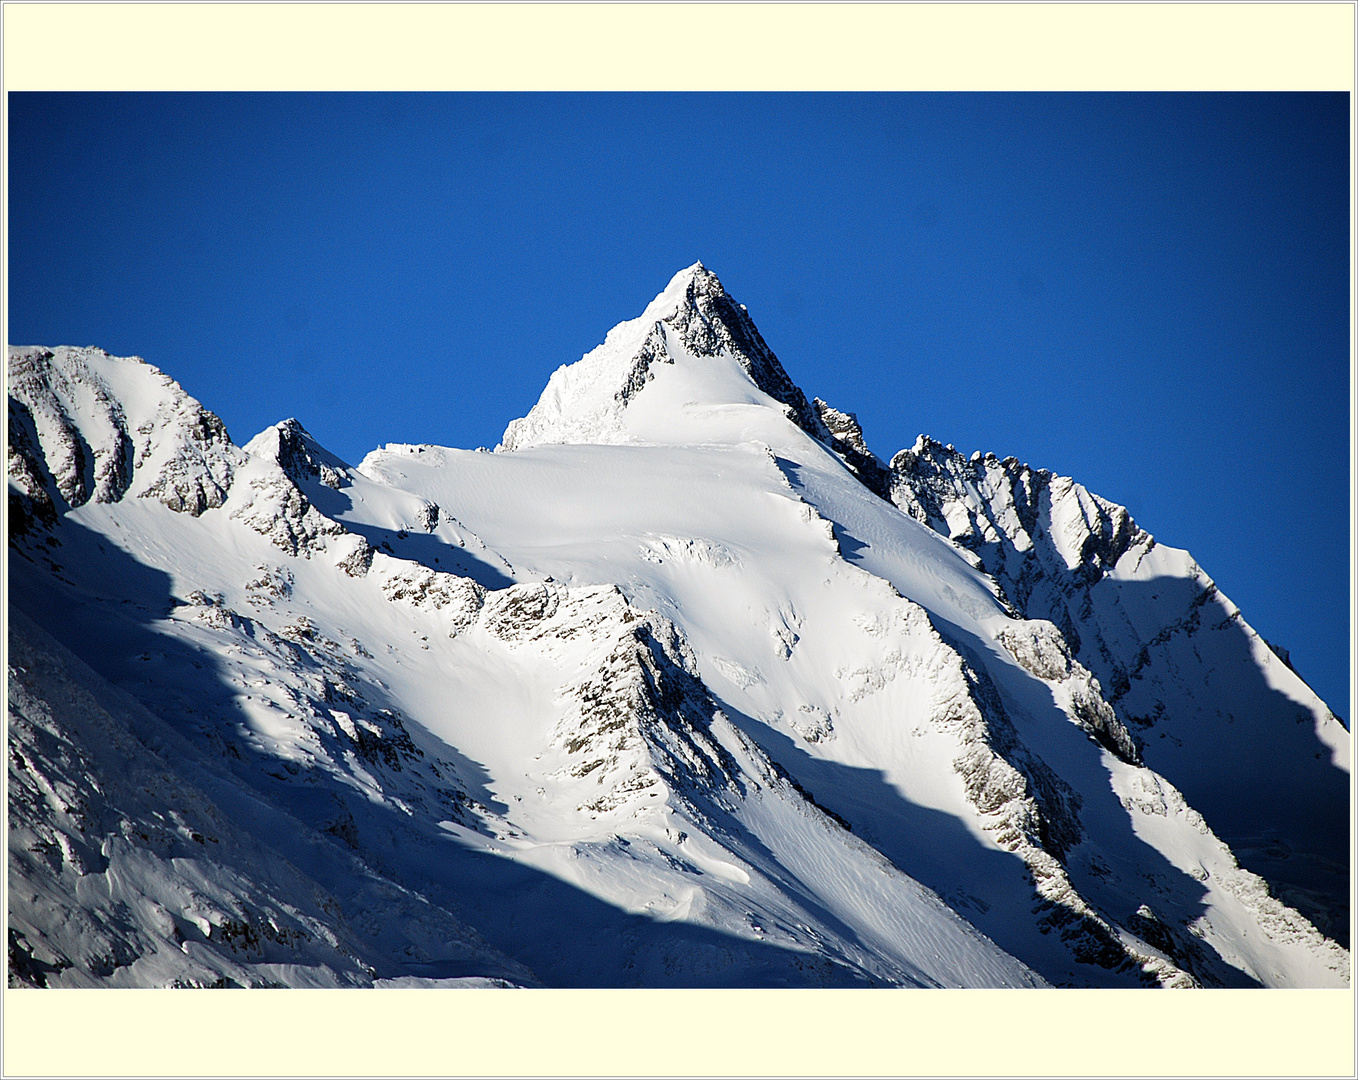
693, 317
846, 439
298, 454
269, 497
31, 487
638, 724
1028, 808
1033, 531
109, 426
709, 323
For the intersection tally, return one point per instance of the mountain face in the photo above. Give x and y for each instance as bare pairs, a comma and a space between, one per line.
681, 686
1185, 674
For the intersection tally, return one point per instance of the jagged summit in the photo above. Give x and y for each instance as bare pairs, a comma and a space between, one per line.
298, 453
691, 369
716, 359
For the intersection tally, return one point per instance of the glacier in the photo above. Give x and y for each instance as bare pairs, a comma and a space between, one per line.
681, 685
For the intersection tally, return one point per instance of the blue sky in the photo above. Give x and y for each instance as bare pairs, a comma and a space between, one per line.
1148, 292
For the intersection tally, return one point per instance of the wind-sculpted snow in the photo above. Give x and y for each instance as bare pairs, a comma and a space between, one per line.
672, 694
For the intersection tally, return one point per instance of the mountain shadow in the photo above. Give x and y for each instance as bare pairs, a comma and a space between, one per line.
1244, 754
981, 883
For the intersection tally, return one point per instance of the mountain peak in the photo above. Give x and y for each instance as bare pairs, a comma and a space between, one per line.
298, 453
694, 271
336, 664
716, 360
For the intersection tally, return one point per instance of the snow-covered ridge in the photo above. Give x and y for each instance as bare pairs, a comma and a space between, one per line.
645, 749
688, 689
1154, 629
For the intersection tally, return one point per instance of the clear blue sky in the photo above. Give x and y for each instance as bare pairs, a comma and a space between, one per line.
1147, 292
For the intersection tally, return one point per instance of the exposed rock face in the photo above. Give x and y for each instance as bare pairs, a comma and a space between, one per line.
846, 438
638, 724
693, 318
271, 501
458, 597
1036, 815
109, 426
1041, 650
298, 454
30, 484
710, 323
1028, 526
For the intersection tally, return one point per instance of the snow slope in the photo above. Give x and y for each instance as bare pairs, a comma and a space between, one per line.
678, 687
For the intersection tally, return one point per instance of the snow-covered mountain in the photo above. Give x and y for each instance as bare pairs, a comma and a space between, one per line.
682, 686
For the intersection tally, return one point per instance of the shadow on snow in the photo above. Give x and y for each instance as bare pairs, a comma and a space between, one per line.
104, 609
